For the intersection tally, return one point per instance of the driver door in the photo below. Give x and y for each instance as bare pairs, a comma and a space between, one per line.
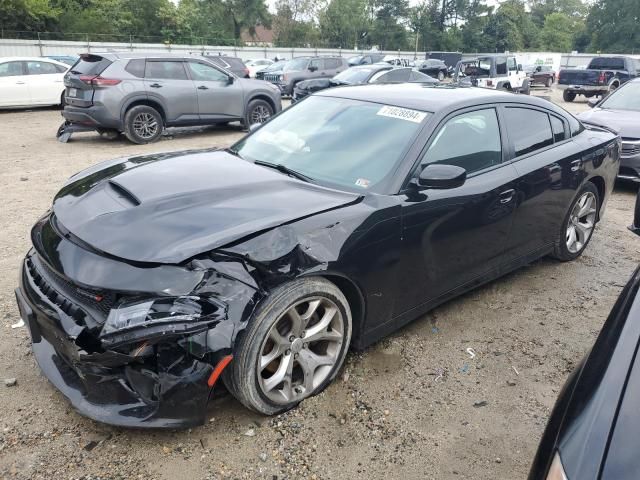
220, 95
455, 238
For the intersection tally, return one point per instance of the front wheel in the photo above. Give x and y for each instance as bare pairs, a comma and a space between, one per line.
578, 225
258, 111
568, 96
549, 82
526, 88
293, 347
440, 75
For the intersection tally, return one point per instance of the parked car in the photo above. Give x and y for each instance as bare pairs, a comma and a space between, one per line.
450, 59
234, 65
365, 59
257, 65
304, 68
592, 431
434, 68
274, 67
396, 61
140, 94
602, 75
620, 112
500, 72
376, 73
31, 82
541, 75
68, 59
151, 277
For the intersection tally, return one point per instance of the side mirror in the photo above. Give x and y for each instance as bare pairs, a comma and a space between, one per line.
230, 80
313, 68
635, 227
442, 177
593, 101
519, 67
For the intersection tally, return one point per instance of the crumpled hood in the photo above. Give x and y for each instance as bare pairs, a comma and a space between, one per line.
625, 122
314, 84
167, 208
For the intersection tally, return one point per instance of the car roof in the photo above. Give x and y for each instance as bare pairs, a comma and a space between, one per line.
433, 98
33, 59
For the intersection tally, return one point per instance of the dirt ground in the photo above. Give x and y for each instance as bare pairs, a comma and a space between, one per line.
414, 406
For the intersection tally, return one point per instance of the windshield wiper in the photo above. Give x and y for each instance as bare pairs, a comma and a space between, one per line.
285, 170
233, 152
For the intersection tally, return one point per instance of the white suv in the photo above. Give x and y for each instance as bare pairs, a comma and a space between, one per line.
501, 72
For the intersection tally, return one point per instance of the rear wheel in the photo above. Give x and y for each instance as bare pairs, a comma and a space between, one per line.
258, 111
293, 348
143, 124
568, 96
526, 88
578, 225
549, 82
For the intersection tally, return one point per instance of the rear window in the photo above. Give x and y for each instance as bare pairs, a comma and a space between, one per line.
607, 63
136, 67
234, 62
90, 65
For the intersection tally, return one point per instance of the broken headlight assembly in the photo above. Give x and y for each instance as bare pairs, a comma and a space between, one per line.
130, 321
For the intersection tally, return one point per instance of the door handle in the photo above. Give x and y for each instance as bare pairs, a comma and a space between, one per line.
19, 83
202, 87
155, 85
575, 165
507, 195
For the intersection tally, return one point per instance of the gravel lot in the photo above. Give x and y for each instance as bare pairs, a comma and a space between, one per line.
414, 406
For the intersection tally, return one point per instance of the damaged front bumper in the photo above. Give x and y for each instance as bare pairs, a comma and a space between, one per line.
146, 382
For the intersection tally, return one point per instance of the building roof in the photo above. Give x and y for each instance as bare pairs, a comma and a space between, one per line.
262, 35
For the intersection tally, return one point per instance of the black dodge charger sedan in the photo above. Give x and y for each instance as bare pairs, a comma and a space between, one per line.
337, 222
594, 426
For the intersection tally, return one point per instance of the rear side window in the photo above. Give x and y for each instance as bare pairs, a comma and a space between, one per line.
136, 67
169, 70
501, 66
470, 140
90, 65
529, 130
41, 68
607, 63
557, 126
11, 69
331, 63
512, 65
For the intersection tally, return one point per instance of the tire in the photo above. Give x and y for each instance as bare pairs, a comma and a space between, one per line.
440, 75
62, 101
526, 88
256, 387
614, 86
562, 250
258, 111
135, 121
568, 96
549, 82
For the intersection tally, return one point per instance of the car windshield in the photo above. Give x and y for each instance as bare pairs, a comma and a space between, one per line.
625, 98
354, 75
275, 66
355, 60
335, 141
296, 64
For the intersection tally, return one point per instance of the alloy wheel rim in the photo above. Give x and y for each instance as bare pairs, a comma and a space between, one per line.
145, 125
581, 222
260, 114
300, 350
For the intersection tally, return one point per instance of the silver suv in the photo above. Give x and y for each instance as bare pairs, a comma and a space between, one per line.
305, 68
140, 94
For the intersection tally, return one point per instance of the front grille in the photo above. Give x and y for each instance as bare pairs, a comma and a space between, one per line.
271, 78
630, 147
75, 301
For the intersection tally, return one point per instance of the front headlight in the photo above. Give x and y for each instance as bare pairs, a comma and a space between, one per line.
281, 77
556, 472
166, 310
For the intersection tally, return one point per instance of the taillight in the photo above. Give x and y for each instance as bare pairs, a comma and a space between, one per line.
98, 81
602, 78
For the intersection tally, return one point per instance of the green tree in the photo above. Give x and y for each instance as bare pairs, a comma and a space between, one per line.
614, 24
511, 28
28, 15
293, 23
246, 15
346, 24
558, 32
389, 31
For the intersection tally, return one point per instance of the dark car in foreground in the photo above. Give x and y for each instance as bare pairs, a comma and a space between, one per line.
376, 73
593, 430
340, 220
620, 111
139, 94
602, 75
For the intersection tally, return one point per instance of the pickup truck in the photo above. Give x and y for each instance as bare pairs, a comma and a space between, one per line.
602, 75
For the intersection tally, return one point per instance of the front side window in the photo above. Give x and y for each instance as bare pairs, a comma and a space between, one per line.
470, 140
315, 63
165, 70
11, 69
511, 63
296, 65
335, 141
41, 68
529, 129
206, 73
